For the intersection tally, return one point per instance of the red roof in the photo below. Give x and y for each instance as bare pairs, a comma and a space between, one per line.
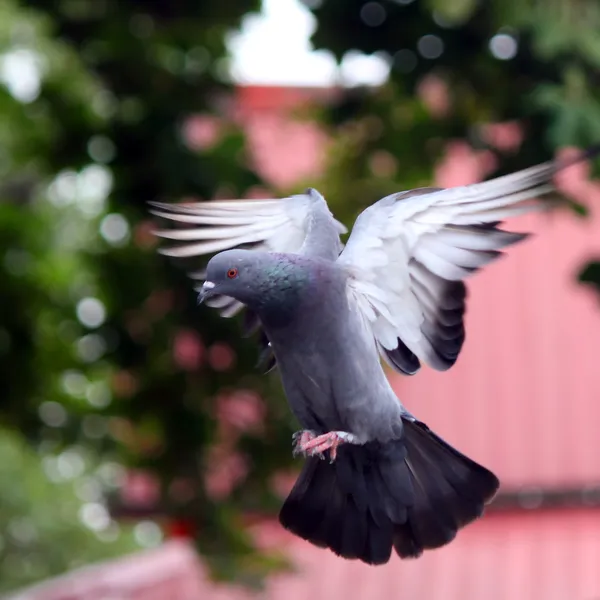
539, 555
533, 556
523, 396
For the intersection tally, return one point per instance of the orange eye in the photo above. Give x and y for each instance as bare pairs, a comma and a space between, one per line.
232, 273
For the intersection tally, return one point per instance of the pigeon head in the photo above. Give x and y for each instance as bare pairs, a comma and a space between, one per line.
230, 273
257, 279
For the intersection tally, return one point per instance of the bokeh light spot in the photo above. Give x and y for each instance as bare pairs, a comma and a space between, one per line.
148, 534
101, 149
52, 414
74, 383
91, 312
373, 14
114, 228
430, 46
503, 46
91, 347
94, 516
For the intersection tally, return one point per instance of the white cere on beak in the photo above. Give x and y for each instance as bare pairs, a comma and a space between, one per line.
208, 285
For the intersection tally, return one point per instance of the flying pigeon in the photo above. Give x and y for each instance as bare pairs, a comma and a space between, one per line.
375, 478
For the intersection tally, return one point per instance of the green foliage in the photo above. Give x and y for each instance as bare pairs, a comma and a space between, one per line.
533, 62
40, 534
93, 320
550, 53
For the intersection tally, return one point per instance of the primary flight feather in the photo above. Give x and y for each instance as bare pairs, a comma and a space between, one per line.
327, 313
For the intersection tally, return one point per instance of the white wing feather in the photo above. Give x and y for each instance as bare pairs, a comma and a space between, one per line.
269, 225
409, 252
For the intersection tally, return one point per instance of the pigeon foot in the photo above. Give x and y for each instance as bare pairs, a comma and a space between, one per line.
309, 444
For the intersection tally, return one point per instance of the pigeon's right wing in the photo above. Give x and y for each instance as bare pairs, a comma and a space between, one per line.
408, 255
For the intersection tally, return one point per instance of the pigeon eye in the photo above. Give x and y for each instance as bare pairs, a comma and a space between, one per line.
232, 273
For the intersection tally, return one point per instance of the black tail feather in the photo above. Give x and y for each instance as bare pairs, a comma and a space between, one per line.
410, 495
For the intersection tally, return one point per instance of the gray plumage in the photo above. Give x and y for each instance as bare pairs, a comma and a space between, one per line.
327, 313
328, 362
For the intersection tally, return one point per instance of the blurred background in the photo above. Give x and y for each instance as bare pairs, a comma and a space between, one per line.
142, 455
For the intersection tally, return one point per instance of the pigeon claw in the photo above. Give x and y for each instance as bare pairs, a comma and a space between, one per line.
309, 444
300, 439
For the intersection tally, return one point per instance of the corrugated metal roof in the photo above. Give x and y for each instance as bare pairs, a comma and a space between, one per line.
524, 397
534, 556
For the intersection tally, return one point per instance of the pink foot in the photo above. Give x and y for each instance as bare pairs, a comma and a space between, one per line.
307, 443
300, 439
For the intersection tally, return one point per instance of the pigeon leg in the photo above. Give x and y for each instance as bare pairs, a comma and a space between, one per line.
308, 443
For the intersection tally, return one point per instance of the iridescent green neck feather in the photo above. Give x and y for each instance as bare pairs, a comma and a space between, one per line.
282, 287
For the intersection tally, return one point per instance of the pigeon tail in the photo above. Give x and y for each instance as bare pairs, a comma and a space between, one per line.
450, 491
408, 495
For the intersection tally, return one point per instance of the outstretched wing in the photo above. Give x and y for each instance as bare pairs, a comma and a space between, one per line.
408, 255
297, 224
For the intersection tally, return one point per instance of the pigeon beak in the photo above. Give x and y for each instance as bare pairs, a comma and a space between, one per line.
206, 291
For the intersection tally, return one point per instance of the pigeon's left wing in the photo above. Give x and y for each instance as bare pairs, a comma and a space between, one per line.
408, 255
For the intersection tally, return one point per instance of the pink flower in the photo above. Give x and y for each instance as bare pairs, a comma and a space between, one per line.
224, 471
221, 356
504, 136
434, 93
140, 489
188, 350
202, 132
244, 410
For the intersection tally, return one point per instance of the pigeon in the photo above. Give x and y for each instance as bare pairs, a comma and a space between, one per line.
375, 479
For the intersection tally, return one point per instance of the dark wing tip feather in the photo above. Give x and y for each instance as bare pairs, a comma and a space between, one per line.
447, 333
402, 359
169, 207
